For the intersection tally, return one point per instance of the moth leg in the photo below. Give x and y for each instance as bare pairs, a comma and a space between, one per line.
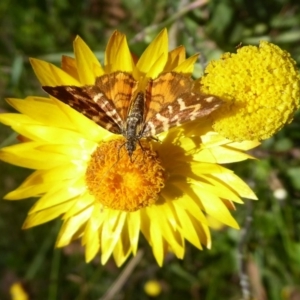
155, 138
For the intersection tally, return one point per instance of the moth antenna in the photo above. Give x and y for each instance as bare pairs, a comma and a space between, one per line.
141, 145
120, 150
154, 138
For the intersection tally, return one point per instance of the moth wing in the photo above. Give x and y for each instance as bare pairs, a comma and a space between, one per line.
120, 88
187, 107
91, 102
165, 89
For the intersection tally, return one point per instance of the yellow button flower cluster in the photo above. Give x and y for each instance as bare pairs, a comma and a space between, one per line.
261, 90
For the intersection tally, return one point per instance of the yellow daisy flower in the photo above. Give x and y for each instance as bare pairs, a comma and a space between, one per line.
85, 176
17, 292
153, 288
261, 87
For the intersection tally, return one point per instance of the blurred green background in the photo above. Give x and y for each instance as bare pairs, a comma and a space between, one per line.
261, 261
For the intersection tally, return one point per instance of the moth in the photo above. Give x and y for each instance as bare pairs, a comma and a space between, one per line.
117, 103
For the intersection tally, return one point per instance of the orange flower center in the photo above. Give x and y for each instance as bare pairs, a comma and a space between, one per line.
121, 183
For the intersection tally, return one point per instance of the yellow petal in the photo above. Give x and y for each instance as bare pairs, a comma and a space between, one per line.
117, 54
198, 168
68, 64
188, 144
111, 233
58, 194
208, 168
86, 62
122, 249
41, 181
49, 74
40, 113
15, 120
187, 67
59, 173
156, 237
221, 155
184, 201
187, 227
83, 201
245, 145
212, 139
203, 233
46, 215
145, 225
156, 67
237, 185
29, 191
91, 236
157, 48
25, 155
175, 58
71, 226
93, 246
84, 125
50, 134
216, 208
133, 224
76, 153
218, 188
171, 236
169, 213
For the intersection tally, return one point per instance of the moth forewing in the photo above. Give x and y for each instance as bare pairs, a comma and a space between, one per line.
187, 107
89, 101
165, 89
120, 88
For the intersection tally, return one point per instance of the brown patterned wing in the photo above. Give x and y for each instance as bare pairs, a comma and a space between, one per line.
120, 88
187, 107
165, 89
91, 102
106, 103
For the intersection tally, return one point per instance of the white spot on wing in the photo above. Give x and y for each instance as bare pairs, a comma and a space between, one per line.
97, 97
209, 99
108, 126
164, 120
96, 119
111, 113
195, 113
175, 117
181, 104
104, 104
152, 128
170, 109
